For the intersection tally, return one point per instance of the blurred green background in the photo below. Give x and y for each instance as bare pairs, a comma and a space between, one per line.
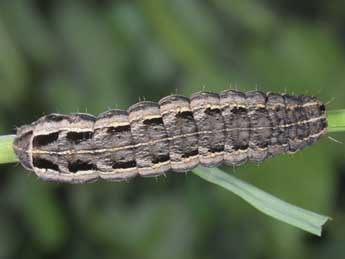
67, 56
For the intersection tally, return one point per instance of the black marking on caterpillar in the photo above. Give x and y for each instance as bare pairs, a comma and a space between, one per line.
176, 134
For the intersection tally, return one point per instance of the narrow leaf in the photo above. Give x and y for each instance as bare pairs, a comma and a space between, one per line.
266, 203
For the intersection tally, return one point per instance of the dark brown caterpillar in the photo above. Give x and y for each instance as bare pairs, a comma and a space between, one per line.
177, 134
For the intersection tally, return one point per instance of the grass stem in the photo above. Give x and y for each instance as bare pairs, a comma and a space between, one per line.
7, 154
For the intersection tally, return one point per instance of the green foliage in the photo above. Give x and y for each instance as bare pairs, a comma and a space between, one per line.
67, 56
265, 202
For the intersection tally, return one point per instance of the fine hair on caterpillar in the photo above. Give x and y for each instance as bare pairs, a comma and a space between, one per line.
176, 134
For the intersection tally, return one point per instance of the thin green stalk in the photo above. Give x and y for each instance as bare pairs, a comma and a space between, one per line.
336, 120
7, 154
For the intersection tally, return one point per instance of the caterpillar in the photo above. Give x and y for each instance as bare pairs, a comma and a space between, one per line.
176, 134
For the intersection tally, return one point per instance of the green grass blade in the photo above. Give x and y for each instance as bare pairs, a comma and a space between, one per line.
7, 154
266, 203
336, 120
